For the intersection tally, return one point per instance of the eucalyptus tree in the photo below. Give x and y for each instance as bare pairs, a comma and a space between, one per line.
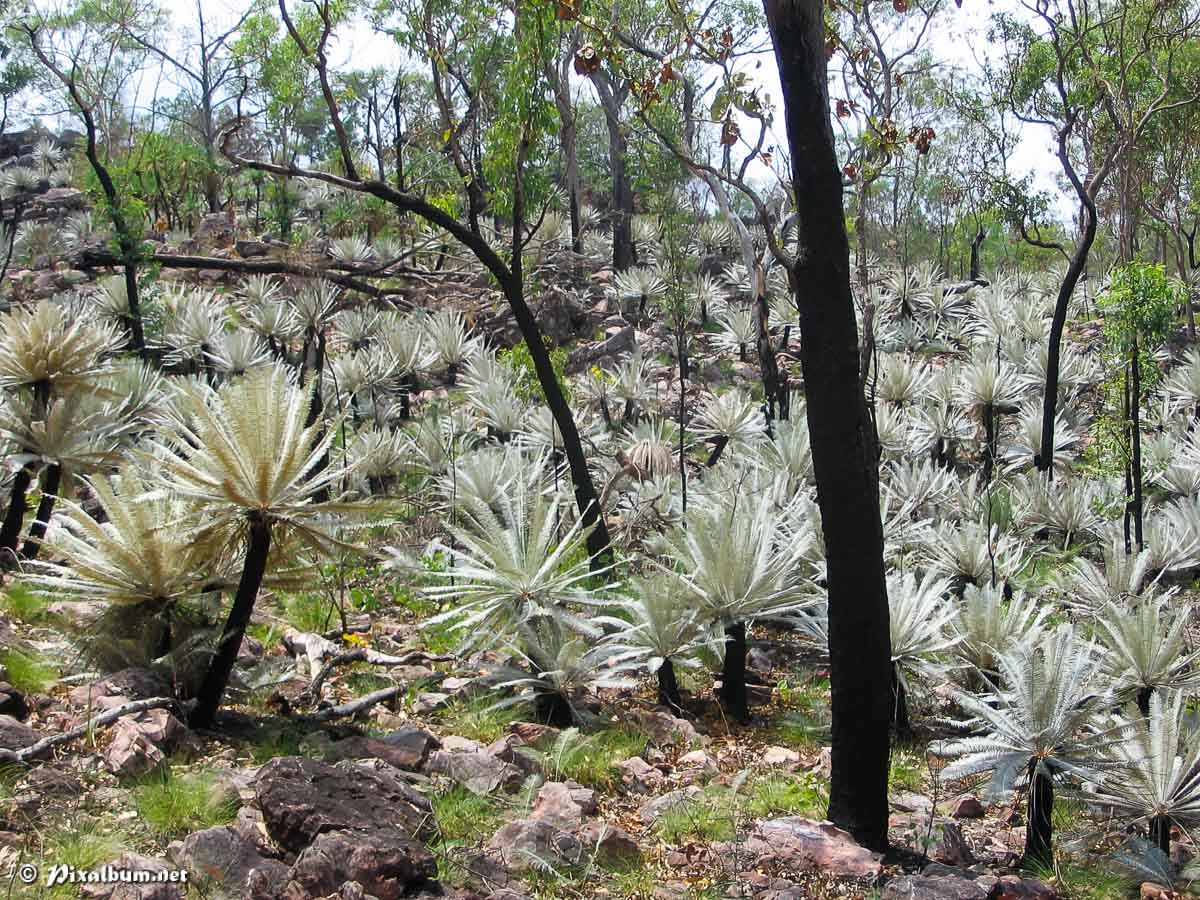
87, 59
1097, 75
842, 440
524, 94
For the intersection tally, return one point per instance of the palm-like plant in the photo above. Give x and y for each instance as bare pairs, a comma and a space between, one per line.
45, 349
973, 552
1065, 506
988, 626
1041, 726
739, 329
741, 563
250, 463
730, 420
901, 380
659, 627
1123, 576
353, 249
449, 338
920, 621
1155, 776
511, 569
637, 288
1147, 650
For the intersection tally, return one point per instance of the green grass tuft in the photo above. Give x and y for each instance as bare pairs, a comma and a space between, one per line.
310, 612
466, 818
171, 806
777, 794
477, 719
906, 771
711, 816
27, 673
1090, 880
591, 759
23, 605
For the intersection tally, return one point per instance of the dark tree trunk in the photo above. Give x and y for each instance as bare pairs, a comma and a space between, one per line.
1160, 834
901, 723
1135, 426
1143, 700
1039, 834
976, 243
668, 686
843, 443
1044, 461
255, 566
733, 675
18, 505
553, 709
37, 531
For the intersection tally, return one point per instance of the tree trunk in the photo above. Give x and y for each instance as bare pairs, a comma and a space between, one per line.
901, 723
1044, 461
255, 566
668, 686
976, 243
843, 444
37, 531
10, 531
1135, 424
624, 256
733, 675
1143, 700
1039, 834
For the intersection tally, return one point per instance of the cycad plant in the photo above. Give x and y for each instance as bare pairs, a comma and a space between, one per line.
1040, 726
740, 562
248, 463
659, 626
1155, 777
1147, 650
987, 626
920, 621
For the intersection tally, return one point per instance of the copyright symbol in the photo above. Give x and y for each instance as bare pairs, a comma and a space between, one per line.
28, 873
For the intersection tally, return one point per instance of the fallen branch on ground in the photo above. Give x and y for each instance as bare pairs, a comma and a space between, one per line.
33, 751
373, 657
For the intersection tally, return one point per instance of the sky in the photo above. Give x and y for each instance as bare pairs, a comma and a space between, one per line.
957, 37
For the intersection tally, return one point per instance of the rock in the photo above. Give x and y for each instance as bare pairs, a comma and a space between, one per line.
560, 315
222, 856
968, 807
530, 844
1013, 887
608, 843
697, 764
387, 863
511, 749
781, 758
797, 844
12, 702
415, 743
952, 848
457, 744
125, 685
479, 772
618, 341
410, 757
214, 230
533, 734
639, 777
115, 890
48, 781
131, 754
429, 701
922, 887
651, 811
16, 736
1151, 891
251, 249
160, 728
301, 798
910, 802
564, 804
666, 730
250, 652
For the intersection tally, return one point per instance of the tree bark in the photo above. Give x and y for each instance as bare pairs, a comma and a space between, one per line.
611, 99
255, 566
843, 444
1160, 833
10, 531
668, 686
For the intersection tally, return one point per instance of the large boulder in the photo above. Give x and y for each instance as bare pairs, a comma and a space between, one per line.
529, 844
15, 735
386, 862
617, 341
925, 887
302, 798
564, 804
222, 857
478, 771
148, 890
118, 688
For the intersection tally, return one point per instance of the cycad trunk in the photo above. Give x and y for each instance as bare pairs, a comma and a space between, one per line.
18, 505
668, 686
208, 700
1039, 833
37, 531
733, 675
901, 723
1160, 833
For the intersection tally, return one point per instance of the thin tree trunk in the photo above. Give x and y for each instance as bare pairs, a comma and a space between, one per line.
1135, 422
843, 444
1160, 834
37, 531
208, 700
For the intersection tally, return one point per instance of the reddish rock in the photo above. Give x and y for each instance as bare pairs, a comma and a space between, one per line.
564, 804
800, 844
968, 807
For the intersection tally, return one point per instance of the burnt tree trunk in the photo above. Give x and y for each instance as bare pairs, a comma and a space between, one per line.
37, 531
733, 675
1039, 834
843, 442
18, 504
668, 686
